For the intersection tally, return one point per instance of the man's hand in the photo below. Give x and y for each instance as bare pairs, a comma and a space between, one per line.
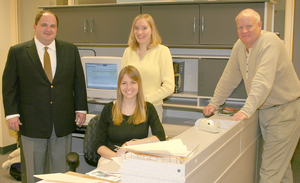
81, 117
13, 124
239, 116
208, 110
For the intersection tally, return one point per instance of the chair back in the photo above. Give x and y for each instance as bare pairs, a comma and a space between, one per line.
90, 156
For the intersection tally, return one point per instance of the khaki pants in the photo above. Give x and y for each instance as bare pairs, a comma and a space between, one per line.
280, 127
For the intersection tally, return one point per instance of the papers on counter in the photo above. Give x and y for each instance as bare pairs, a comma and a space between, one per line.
70, 177
105, 175
64, 178
168, 148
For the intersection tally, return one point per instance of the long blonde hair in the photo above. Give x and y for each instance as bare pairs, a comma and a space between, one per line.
155, 37
139, 115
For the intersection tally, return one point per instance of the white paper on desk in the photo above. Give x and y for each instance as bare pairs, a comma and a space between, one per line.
170, 148
105, 175
64, 178
109, 165
118, 160
44, 181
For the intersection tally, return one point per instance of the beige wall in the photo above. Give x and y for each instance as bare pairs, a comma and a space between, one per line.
8, 37
27, 9
17, 19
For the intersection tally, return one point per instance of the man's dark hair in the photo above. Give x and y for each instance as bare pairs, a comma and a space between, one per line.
40, 14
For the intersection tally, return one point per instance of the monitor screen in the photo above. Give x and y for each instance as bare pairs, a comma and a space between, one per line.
101, 76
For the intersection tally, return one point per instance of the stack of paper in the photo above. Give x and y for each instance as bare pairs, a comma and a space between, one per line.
64, 178
71, 177
168, 148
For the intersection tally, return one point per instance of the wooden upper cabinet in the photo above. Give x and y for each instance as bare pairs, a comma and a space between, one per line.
209, 24
177, 24
72, 22
217, 22
199, 24
99, 24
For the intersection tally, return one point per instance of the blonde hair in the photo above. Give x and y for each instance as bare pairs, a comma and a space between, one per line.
139, 115
155, 37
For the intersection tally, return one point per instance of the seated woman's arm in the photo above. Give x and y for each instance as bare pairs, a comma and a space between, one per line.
155, 124
102, 134
141, 141
105, 152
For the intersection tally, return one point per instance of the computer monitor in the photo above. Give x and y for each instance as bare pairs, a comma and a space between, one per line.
101, 76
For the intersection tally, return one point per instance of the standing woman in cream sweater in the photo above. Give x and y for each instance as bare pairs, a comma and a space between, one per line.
153, 61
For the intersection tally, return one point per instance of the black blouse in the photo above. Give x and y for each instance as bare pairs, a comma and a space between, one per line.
110, 134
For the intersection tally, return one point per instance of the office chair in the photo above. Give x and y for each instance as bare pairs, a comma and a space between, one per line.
90, 156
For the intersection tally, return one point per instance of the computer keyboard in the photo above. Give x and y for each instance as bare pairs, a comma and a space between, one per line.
103, 101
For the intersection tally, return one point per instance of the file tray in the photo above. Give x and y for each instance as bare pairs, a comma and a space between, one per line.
161, 155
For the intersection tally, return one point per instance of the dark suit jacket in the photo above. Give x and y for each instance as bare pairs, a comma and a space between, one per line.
28, 92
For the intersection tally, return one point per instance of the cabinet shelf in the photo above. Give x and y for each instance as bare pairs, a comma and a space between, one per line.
186, 94
183, 100
183, 107
179, 121
192, 102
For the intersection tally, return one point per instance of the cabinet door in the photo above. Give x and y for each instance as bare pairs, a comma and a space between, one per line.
99, 24
176, 24
217, 22
73, 24
209, 73
112, 24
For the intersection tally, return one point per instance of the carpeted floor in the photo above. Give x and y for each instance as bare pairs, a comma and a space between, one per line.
5, 177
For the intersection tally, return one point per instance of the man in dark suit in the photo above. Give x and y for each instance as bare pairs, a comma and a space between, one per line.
44, 95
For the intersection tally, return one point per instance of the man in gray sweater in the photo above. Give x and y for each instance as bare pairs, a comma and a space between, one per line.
273, 88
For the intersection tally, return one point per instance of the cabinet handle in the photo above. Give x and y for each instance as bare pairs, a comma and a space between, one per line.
85, 24
92, 25
194, 24
203, 22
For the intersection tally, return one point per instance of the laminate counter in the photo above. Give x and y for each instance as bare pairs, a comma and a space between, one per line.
232, 155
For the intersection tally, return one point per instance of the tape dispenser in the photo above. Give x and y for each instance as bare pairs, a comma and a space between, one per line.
209, 125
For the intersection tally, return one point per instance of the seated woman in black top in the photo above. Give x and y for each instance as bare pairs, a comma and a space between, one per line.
127, 118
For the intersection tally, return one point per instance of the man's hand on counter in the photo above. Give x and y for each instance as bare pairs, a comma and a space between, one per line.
208, 110
239, 116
